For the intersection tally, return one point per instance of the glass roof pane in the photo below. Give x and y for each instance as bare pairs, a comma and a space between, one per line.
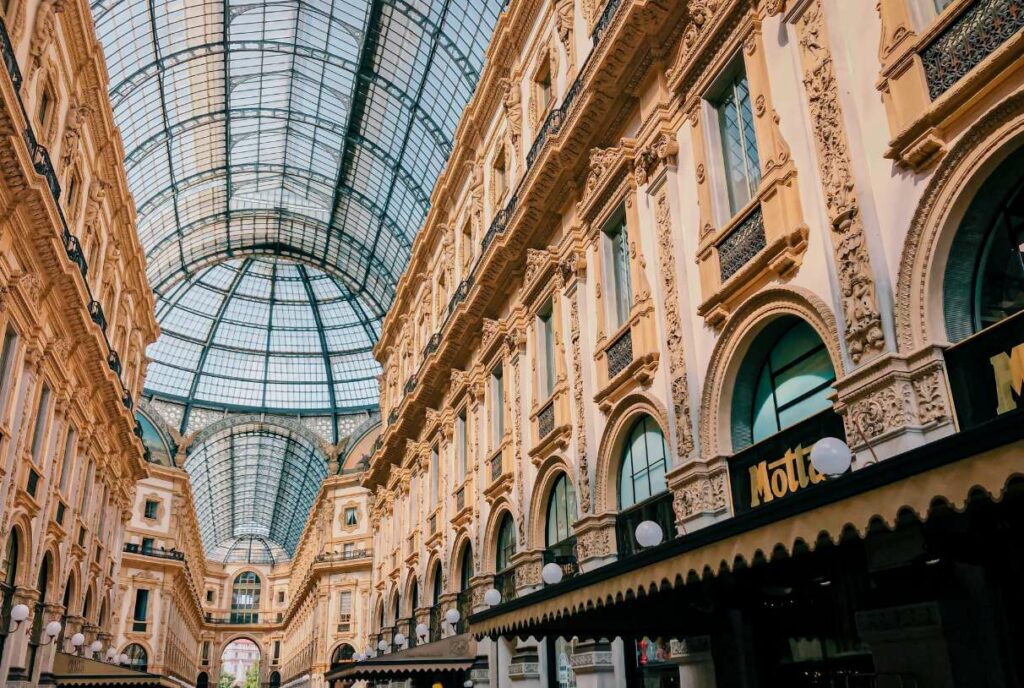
261, 132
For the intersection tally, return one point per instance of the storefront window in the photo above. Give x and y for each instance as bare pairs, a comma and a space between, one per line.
560, 673
999, 282
652, 663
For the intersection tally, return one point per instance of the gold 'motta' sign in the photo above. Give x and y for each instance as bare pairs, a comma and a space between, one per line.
1008, 370
771, 479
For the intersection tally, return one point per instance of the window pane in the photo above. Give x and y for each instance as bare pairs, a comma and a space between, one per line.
739, 144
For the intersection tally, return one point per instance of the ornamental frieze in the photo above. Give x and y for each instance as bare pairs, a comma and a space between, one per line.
579, 419
864, 336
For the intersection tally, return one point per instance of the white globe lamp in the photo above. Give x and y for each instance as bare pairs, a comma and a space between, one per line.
53, 629
77, 640
831, 457
382, 645
422, 630
19, 613
96, 646
551, 573
492, 597
123, 659
649, 534
452, 616
110, 654
399, 639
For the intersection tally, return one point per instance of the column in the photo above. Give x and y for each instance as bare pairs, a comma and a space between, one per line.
13, 668
696, 666
524, 669
42, 674
592, 664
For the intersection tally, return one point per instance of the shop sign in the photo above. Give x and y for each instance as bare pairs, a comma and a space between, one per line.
986, 373
780, 465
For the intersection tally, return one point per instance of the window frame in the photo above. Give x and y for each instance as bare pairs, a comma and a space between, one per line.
615, 242
568, 498
626, 456
725, 205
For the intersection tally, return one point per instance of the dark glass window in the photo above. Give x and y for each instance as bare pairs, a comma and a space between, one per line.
621, 289
999, 278
141, 610
151, 508
644, 462
506, 543
561, 511
137, 657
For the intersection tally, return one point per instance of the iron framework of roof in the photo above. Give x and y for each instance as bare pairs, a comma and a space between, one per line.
306, 129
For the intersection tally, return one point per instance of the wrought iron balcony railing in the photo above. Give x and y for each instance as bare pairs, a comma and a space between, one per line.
158, 552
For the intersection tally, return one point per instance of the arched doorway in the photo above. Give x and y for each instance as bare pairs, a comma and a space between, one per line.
275, 679
203, 680
240, 664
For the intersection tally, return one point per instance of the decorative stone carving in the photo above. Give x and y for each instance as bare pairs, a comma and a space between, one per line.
673, 326
564, 17
535, 261
879, 413
595, 543
864, 336
517, 462
77, 115
663, 149
579, 419
601, 160
528, 574
706, 494
512, 103
490, 329
700, 13
931, 398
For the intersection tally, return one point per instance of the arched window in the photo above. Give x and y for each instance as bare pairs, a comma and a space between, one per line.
414, 597
786, 377
987, 255
245, 598
506, 543
7, 587
203, 680
275, 679
644, 462
137, 657
561, 511
435, 599
42, 585
397, 608
343, 653
466, 568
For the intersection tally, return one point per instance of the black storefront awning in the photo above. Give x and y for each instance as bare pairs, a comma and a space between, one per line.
447, 655
950, 469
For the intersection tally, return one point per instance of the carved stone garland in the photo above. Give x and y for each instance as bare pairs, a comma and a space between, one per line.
517, 461
673, 327
864, 336
577, 398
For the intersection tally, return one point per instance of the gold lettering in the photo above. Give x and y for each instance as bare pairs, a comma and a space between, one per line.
1008, 370
778, 478
759, 488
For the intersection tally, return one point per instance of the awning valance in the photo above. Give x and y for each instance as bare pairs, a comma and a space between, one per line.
949, 470
449, 654
71, 670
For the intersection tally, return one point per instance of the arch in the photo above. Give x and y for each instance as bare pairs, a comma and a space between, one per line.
729, 351
138, 656
395, 605
609, 452
342, 654
939, 214
87, 602
465, 569
462, 546
46, 578
13, 553
71, 593
502, 507
203, 680
103, 614
274, 679
548, 472
410, 592
436, 587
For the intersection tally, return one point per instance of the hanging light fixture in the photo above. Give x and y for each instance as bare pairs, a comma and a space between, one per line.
831, 457
648, 534
551, 573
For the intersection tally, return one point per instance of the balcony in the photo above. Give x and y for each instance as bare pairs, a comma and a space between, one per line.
350, 555
619, 356
739, 246
158, 552
236, 618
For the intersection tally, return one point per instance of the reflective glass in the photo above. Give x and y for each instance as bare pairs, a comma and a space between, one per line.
739, 146
561, 511
644, 462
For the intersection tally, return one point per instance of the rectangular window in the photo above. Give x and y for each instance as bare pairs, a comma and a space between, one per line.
206, 652
7, 364
40, 428
277, 651
435, 477
467, 247
621, 292
280, 597
738, 142
546, 336
147, 544
209, 596
60, 513
462, 442
44, 107
497, 406
32, 483
500, 175
351, 518
349, 549
345, 612
543, 85
69, 456
141, 610
151, 508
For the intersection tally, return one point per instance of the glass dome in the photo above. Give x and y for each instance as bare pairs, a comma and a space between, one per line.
265, 333
248, 549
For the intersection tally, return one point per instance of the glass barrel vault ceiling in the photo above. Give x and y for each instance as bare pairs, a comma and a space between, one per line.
279, 334
253, 483
312, 129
